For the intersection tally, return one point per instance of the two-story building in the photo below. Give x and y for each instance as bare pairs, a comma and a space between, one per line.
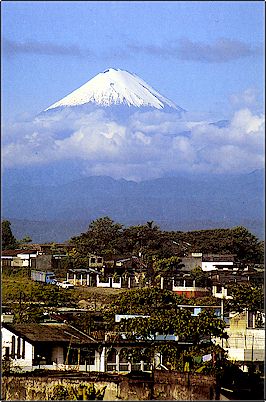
246, 339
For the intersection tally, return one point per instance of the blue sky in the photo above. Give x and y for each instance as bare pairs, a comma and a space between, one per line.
207, 57
203, 55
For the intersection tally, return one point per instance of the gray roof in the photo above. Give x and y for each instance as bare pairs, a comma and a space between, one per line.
50, 332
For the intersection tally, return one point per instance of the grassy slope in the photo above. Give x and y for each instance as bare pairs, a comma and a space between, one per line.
12, 286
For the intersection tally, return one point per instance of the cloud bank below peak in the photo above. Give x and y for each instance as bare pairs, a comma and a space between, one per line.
149, 145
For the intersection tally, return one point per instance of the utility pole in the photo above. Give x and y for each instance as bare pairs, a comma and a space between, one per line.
222, 316
20, 305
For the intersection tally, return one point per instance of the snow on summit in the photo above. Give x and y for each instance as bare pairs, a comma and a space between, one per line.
114, 87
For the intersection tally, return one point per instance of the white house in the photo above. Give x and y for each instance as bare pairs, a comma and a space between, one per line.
18, 258
246, 340
184, 286
58, 346
50, 346
211, 262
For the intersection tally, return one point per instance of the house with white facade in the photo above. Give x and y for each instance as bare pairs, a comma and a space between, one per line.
211, 262
59, 346
49, 346
18, 258
246, 339
184, 285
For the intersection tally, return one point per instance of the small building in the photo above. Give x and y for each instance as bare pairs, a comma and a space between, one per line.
221, 291
195, 310
19, 258
184, 286
6, 314
82, 276
211, 262
95, 261
59, 346
48, 346
191, 262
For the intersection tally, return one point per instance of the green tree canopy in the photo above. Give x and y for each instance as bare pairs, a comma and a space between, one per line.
100, 238
200, 276
246, 296
144, 301
164, 316
238, 240
245, 245
168, 266
106, 237
176, 322
146, 240
7, 238
26, 239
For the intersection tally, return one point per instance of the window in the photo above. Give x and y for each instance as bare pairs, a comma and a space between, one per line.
73, 356
135, 366
124, 367
123, 359
23, 349
6, 263
189, 283
250, 319
229, 291
88, 357
178, 282
111, 367
218, 289
93, 260
13, 340
18, 348
111, 358
7, 353
196, 312
99, 260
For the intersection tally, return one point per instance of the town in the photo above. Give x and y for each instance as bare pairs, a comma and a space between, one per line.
133, 313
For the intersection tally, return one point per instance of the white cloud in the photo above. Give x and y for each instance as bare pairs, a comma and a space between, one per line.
149, 145
246, 122
246, 98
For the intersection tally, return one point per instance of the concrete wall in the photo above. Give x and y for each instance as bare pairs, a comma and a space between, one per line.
164, 386
17, 262
248, 345
44, 262
103, 284
117, 285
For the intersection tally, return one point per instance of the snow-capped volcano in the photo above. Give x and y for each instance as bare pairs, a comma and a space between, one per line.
116, 87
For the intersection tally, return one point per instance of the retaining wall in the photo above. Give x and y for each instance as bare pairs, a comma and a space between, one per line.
143, 386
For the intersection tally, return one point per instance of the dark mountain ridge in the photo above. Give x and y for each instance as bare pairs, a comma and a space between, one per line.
185, 202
